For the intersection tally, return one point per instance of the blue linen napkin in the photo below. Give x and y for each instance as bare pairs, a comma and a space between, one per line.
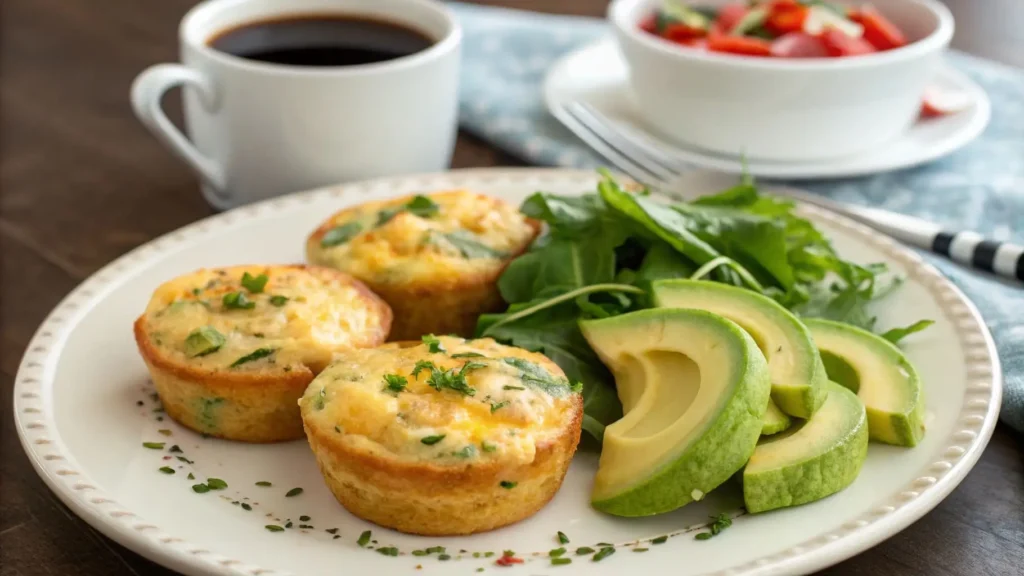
980, 187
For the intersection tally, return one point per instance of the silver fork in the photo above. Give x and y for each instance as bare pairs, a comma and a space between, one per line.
646, 163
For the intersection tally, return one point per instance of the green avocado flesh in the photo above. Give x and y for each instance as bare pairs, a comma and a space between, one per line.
797, 373
881, 376
774, 420
694, 388
813, 459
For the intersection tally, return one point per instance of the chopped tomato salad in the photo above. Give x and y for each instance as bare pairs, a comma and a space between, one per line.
776, 28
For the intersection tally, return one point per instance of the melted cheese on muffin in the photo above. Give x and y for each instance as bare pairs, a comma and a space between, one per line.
436, 238
252, 317
470, 400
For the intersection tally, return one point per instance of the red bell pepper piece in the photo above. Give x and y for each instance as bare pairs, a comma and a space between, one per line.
681, 33
838, 43
740, 45
785, 18
878, 30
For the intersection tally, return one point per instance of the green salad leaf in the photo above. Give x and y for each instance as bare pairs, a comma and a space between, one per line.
601, 251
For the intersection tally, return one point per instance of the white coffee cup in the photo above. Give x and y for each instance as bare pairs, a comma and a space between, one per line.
258, 129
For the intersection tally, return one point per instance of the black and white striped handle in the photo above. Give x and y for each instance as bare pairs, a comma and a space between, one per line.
968, 248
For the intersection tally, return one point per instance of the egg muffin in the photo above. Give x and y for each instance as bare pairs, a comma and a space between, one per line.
231, 350
446, 437
434, 258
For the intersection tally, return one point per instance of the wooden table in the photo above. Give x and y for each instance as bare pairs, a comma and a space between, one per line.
83, 183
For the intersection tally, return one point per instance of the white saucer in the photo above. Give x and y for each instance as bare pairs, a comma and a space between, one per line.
597, 75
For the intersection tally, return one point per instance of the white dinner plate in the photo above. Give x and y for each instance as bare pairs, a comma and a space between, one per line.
84, 409
597, 74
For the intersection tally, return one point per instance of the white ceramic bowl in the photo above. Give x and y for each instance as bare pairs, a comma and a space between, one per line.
783, 109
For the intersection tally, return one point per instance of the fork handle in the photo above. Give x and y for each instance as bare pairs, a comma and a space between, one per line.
968, 248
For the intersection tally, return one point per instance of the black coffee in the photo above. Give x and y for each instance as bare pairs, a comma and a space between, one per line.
321, 40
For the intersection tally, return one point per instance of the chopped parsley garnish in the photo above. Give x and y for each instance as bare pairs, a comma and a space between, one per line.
203, 341
488, 447
584, 550
562, 538
191, 476
304, 518
640, 549
306, 527
185, 460
395, 383
254, 284
340, 234
718, 523
468, 355
278, 300
510, 387
444, 557
253, 356
364, 538
431, 440
167, 470
560, 561
164, 432
174, 449
293, 492
495, 406
200, 488
264, 483
450, 379
434, 345
153, 445
660, 540
556, 552
468, 245
216, 483
237, 301
273, 528
331, 530
603, 553
246, 507
508, 484
288, 524
388, 551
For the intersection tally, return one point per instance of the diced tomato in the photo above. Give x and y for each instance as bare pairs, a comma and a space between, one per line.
701, 43
936, 102
508, 561
838, 43
681, 33
730, 15
649, 24
878, 30
785, 18
798, 45
740, 45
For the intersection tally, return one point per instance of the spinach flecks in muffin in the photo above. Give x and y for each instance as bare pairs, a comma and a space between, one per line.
341, 234
254, 284
253, 356
237, 301
535, 376
208, 409
431, 440
277, 300
467, 244
203, 341
319, 399
467, 451
419, 206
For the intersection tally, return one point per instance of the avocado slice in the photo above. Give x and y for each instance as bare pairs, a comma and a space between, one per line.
774, 420
694, 387
813, 459
797, 373
881, 376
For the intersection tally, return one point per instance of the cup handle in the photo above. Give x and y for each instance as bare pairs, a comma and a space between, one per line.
147, 90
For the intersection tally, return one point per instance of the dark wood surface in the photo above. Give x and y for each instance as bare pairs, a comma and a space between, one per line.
82, 183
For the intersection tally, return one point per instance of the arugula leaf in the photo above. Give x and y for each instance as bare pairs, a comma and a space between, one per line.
894, 335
